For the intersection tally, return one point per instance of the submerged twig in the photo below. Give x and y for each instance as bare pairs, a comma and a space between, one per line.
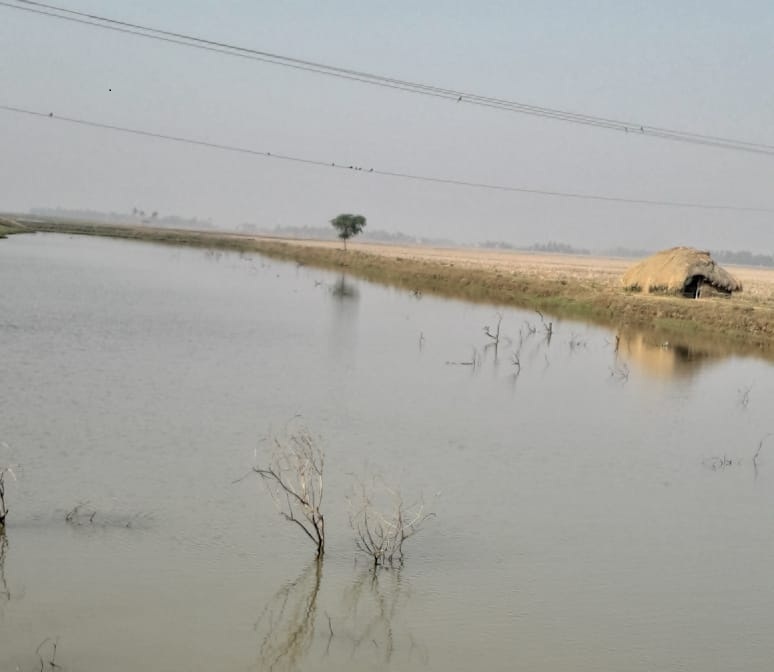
548, 327
330, 635
51, 663
496, 335
758, 453
718, 463
81, 512
3, 505
620, 371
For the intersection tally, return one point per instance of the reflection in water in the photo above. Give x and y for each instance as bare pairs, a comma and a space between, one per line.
363, 623
289, 619
5, 590
370, 608
344, 290
212, 254
5, 593
664, 358
344, 325
658, 355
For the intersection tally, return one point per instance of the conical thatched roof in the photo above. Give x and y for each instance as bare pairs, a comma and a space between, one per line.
675, 270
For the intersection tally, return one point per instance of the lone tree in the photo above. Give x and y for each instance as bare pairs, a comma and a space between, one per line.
348, 226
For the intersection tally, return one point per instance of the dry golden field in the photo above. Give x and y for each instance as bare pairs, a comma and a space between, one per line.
605, 271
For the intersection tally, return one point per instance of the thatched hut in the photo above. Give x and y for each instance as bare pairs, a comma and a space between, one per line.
680, 270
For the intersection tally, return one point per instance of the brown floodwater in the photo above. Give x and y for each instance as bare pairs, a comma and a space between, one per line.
602, 502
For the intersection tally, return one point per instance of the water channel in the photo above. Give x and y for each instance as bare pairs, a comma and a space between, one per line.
601, 503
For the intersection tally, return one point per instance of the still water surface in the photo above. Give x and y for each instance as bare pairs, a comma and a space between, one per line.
596, 510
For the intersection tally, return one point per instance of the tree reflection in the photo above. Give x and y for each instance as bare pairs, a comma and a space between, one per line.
289, 619
361, 621
371, 606
5, 593
660, 357
344, 290
345, 302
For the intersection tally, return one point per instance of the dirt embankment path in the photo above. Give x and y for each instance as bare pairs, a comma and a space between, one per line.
566, 286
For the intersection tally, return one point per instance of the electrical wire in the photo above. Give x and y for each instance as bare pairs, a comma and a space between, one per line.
224, 48
381, 172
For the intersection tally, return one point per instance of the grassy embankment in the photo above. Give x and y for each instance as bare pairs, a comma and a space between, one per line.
9, 226
743, 323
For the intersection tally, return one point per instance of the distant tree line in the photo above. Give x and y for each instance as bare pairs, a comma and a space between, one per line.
496, 245
327, 233
553, 247
743, 258
136, 216
625, 252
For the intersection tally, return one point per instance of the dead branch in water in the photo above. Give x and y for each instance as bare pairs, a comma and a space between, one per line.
81, 512
496, 335
576, 342
330, 634
8, 470
717, 463
294, 479
758, 453
49, 664
516, 356
548, 327
475, 360
382, 521
620, 371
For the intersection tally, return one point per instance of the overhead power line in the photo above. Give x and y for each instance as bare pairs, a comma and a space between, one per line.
380, 172
458, 96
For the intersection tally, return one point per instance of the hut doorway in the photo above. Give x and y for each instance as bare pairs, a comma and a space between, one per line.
692, 288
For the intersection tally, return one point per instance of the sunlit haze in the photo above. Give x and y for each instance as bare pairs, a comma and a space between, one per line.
698, 66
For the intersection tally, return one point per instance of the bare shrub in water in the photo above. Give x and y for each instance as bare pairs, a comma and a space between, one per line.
294, 478
81, 512
3, 505
382, 521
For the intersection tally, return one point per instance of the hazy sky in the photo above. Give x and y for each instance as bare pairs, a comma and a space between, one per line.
704, 66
